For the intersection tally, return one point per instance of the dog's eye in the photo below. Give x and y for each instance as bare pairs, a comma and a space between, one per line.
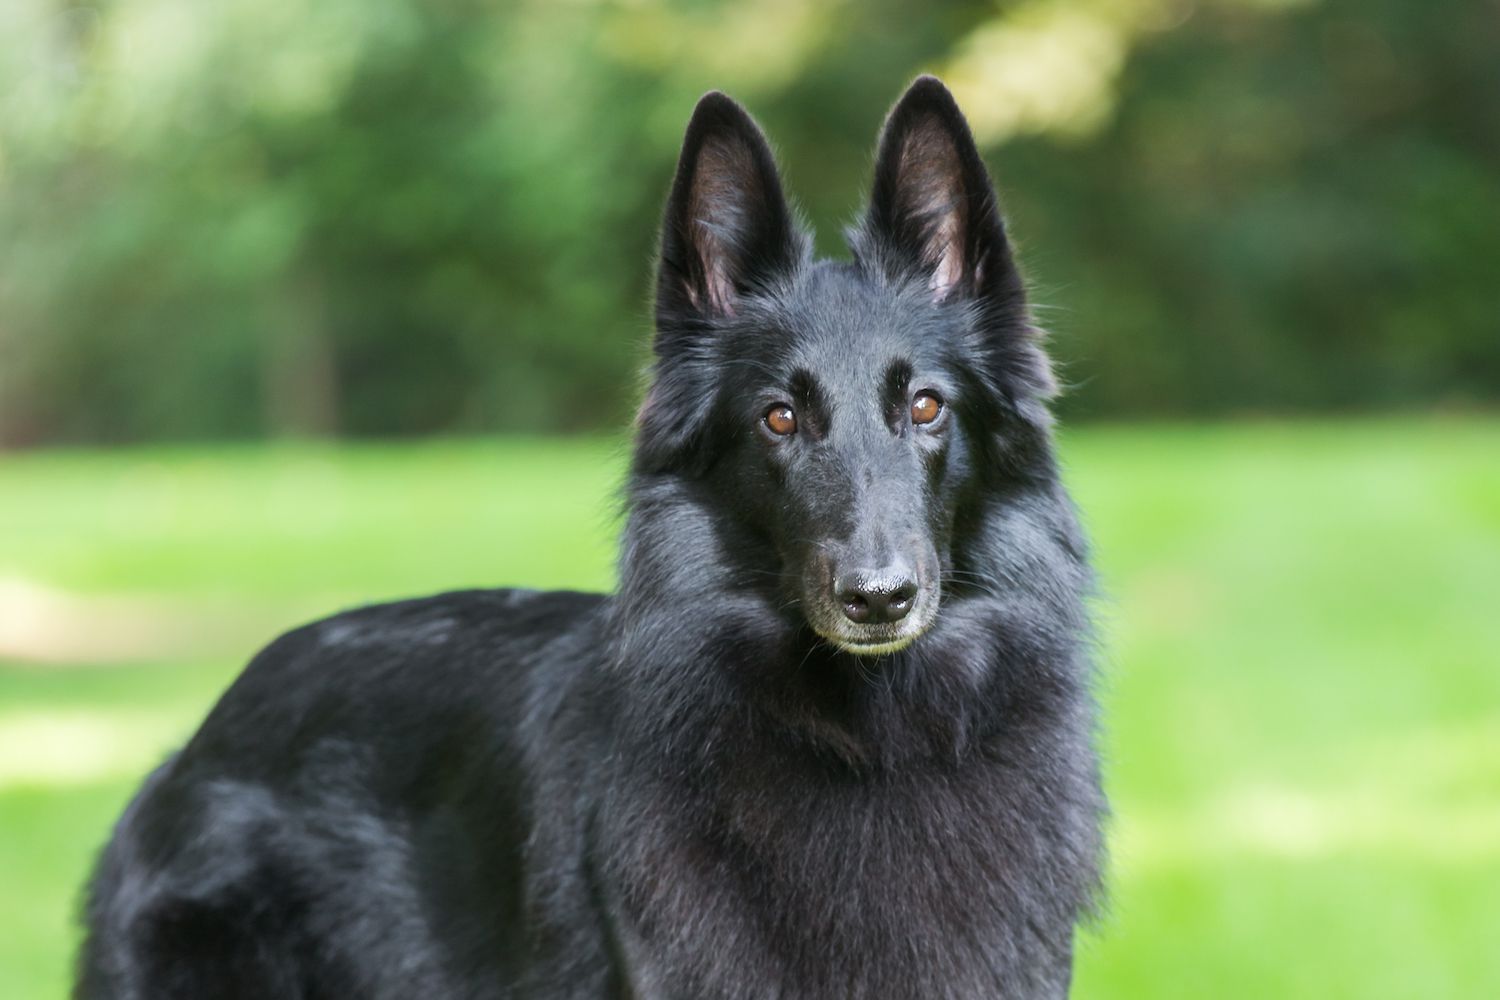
926, 408
781, 420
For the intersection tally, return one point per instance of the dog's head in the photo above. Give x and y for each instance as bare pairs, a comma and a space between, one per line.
843, 416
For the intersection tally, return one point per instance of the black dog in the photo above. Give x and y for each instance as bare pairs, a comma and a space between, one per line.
832, 738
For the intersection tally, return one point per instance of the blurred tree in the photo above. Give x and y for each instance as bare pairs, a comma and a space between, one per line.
1288, 212
411, 216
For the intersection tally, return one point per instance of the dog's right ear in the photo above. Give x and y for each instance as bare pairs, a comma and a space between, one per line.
727, 233
728, 229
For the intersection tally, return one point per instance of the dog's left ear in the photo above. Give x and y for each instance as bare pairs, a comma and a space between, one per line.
933, 212
934, 220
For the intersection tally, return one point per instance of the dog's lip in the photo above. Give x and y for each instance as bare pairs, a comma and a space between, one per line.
876, 647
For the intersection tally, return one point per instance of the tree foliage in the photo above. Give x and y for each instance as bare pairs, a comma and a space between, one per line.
253, 217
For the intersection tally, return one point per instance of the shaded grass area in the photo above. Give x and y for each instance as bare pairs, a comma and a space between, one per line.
1300, 670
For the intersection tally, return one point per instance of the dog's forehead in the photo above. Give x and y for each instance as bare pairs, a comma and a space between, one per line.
846, 329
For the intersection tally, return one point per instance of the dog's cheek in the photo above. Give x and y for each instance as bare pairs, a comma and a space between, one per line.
754, 485
945, 480
797, 529
954, 491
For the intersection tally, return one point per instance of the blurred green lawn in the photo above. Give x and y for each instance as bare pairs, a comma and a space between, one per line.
1301, 668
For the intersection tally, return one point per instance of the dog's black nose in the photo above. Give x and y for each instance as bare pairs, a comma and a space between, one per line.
875, 598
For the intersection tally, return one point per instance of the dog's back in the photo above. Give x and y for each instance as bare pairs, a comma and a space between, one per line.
349, 819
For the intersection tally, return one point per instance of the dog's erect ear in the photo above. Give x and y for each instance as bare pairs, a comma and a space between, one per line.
727, 229
933, 211
727, 233
934, 218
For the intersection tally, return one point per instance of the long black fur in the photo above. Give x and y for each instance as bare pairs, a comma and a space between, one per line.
692, 788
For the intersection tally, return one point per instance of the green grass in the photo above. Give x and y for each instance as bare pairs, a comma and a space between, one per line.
1301, 669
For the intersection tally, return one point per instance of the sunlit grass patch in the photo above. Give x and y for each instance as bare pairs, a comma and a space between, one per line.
61, 748
1260, 927
341, 524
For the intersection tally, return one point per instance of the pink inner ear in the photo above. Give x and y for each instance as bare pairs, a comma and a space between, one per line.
931, 192
950, 265
719, 285
723, 186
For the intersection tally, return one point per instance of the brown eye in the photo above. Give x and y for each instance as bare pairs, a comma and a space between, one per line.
925, 408
781, 420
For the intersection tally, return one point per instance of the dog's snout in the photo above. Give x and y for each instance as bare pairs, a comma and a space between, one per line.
872, 598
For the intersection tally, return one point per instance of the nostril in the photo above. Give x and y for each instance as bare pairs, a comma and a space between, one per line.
900, 601
856, 606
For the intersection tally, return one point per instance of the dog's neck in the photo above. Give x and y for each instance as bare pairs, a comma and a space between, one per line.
706, 658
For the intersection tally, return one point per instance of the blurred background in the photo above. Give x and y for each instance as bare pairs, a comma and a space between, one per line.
313, 302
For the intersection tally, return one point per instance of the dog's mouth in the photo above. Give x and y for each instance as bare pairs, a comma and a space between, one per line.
828, 621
